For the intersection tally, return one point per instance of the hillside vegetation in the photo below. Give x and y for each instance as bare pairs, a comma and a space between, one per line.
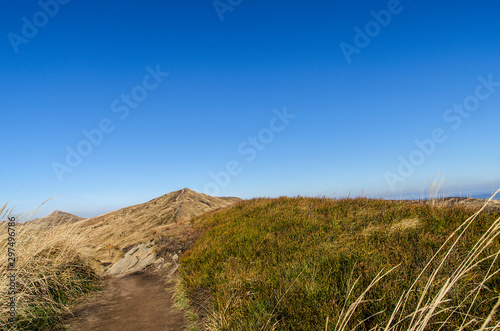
110, 234
59, 258
52, 271
322, 264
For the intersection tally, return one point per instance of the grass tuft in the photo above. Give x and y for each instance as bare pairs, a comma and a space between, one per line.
51, 274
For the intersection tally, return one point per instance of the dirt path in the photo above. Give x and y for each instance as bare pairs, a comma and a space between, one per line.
135, 302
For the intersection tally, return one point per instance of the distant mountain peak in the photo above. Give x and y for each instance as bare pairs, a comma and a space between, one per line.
57, 217
140, 223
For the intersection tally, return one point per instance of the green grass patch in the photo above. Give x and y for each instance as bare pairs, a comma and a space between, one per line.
305, 264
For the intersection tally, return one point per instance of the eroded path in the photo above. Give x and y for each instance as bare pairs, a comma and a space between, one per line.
134, 302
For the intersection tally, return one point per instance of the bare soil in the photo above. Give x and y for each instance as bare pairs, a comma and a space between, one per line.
135, 302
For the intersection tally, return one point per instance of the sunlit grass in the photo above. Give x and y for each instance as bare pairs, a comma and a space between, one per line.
52, 271
364, 264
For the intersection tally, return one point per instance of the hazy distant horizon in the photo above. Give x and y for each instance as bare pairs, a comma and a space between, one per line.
423, 196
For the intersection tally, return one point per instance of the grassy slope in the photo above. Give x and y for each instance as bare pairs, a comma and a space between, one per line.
289, 263
140, 223
55, 255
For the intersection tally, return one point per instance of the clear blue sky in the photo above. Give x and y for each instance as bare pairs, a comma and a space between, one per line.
332, 111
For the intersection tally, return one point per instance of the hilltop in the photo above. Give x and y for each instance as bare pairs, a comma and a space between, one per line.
466, 202
473, 203
56, 218
110, 235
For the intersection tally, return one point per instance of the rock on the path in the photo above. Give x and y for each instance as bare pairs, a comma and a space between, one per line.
136, 259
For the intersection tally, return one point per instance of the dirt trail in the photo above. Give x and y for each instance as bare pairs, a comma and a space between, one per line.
135, 302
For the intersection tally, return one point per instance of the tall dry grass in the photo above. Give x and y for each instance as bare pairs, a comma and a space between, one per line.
52, 271
435, 311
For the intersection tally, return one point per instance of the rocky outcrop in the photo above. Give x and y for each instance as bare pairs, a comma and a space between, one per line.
135, 260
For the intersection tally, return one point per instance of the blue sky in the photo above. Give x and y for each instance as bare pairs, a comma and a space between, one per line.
260, 99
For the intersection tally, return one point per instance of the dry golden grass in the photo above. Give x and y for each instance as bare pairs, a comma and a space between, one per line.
133, 225
408, 223
436, 306
433, 311
57, 257
52, 270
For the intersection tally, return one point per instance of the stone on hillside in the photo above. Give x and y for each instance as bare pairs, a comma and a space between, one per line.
136, 259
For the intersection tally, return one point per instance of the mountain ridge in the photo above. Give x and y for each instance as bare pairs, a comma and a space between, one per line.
55, 218
112, 233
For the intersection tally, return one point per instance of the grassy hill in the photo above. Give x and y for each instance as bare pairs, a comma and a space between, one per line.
107, 235
280, 264
55, 255
140, 223
317, 264
55, 219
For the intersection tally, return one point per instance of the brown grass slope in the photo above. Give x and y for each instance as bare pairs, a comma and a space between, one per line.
55, 219
113, 232
55, 254
472, 203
